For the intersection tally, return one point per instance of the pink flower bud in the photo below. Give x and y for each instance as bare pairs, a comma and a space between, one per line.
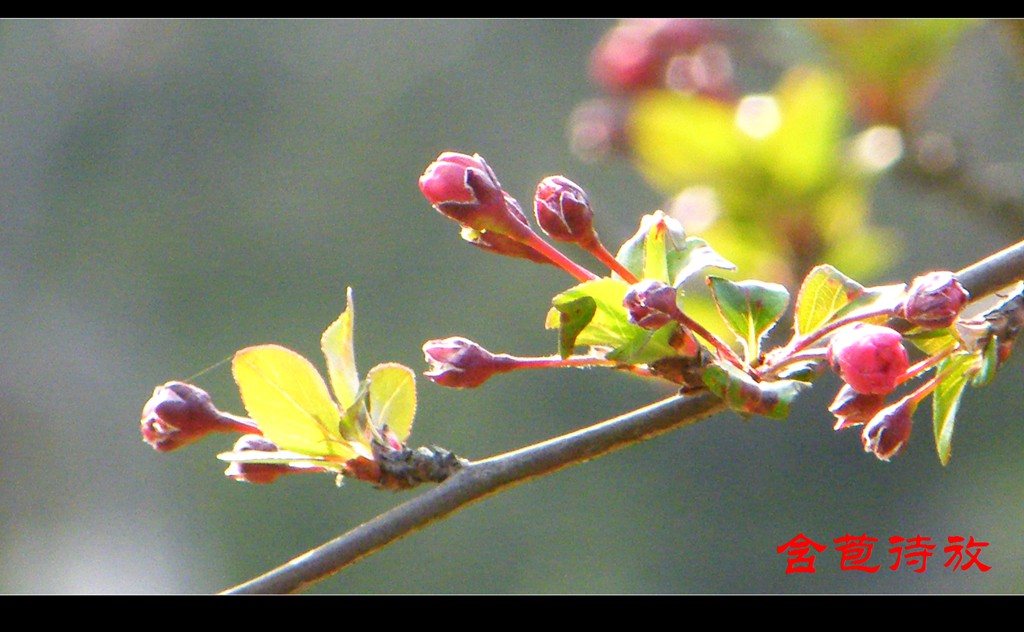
179, 414
461, 363
889, 430
465, 189
563, 211
934, 300
870, 358
262, 473
651, 304
853, 409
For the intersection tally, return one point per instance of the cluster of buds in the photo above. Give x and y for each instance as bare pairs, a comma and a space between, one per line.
872, 360
465, 189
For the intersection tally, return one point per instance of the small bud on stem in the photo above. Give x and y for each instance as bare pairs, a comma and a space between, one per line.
465, 189
179, 414
564, 213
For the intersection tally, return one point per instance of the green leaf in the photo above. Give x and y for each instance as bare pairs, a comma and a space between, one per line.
337, 346
744, 395
610, 326
392, 401
574, 316
873, 299
823, 293
647, 347
750, 308
934, 341
646, 253
656, 249
827, 294
286, 396
694, 256
946, 399
280, 457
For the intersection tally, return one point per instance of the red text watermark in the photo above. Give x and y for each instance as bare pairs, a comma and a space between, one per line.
910, 553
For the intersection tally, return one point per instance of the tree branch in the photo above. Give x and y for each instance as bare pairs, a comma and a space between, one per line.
483, 478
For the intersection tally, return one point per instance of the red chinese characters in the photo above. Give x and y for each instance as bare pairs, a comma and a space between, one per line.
909, 553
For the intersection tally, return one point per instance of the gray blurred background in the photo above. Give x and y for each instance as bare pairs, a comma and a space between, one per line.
172, 191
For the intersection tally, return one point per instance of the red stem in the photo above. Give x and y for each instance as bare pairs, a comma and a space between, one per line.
597, 249
560, 260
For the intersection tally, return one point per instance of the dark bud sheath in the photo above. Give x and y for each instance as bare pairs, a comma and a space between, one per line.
501, 245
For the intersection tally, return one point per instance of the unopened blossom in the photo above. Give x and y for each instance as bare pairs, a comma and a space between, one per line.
870, 358
563, 211
465, 189
934, 300
853, 409
651, 304
887, 433
179, 414
460, 363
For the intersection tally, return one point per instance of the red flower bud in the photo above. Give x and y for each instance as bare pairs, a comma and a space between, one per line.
563, 211
870, 358
934, 300
179, 414
461, 363
262, 473
465, 189
853, 409
889, 430
651, 304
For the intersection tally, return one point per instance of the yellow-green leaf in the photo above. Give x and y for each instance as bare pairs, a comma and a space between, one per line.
392, 390
823, 293
340, 354
279, 457
958, 370
286, 396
